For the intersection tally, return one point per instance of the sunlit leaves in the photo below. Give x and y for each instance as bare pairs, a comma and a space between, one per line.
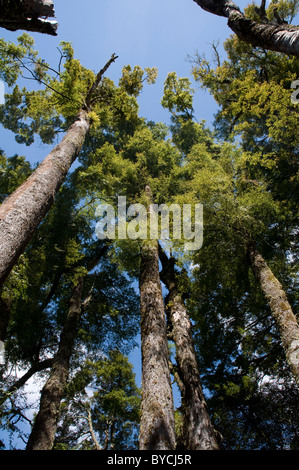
132, 80
178, 96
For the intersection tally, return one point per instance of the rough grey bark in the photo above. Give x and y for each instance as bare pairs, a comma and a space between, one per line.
157, 430
30, 15
198, 432
45, 425
281, 309
276, 37
23, 210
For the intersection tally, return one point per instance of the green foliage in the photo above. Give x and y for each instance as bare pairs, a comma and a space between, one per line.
132, 80
243, 171
113, 406
13, 172
177, 97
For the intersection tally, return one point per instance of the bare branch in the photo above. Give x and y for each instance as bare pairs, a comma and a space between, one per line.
88, 99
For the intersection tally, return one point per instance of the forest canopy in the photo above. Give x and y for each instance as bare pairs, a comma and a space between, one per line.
174, 241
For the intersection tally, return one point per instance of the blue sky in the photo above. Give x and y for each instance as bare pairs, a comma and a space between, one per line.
149, 33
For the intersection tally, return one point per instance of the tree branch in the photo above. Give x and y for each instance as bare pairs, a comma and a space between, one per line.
38, 367
30, 15
276, 37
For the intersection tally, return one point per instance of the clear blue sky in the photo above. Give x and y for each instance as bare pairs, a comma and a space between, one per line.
149, 33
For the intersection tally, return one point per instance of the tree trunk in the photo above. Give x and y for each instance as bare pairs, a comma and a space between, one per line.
44, 428
281, 310
157, 430
91, 430
25, 208
275, 37
198, 432
30, 15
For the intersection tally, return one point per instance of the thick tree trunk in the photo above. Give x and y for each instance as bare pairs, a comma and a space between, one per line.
280, 38
30, 15
198, 432
157, 430
45, 425
23, 210
281, 310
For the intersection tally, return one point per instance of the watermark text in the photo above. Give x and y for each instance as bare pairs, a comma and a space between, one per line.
156, 222
295, 94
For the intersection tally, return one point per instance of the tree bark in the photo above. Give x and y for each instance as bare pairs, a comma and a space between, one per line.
280, 38
198, 432
281, 310
157, 430
45, 425
30, 15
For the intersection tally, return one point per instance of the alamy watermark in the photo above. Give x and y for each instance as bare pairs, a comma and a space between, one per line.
2, 354
161, 222
295, 94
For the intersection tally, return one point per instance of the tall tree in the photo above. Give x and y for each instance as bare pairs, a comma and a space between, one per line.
269, 160
280, 307
44, 428
198, 432
157, 431
104, 402
22, 211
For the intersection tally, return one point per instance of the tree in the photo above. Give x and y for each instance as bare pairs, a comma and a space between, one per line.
198, 432
141, 154
44, 429
229, 351
280, 308
31, 15
233, 215
260, 32
256, 114
107, 418
62, 263
22, 211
